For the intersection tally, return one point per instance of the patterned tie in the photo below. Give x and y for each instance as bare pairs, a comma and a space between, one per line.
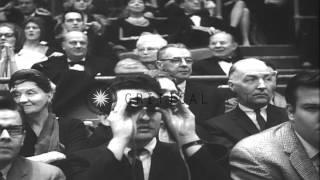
137, 168
260, 120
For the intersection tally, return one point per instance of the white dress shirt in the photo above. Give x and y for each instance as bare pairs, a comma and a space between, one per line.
145, 157
77, 67
252, 115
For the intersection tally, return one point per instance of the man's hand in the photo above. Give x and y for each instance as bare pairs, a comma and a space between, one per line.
181, 123
122, 127
48, 157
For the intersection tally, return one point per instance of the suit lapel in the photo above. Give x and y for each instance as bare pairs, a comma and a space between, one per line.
19, 170
297, 155
244, 121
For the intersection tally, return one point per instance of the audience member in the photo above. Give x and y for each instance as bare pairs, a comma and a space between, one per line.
73, 20
10, 43
224, 51
75, 69
12, 134
128, 66
75, 46
135, 124
147, 48
204, 101
34, 49
252, 81
192, 25
48, 138
126, 31
31, 8
9, 13
291, 149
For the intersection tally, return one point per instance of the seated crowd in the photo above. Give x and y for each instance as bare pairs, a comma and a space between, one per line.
154, 121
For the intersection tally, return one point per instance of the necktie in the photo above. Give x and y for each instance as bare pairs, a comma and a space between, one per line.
137, 168
260, 120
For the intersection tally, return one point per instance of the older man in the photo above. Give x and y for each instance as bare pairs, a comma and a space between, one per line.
75, 69
205, 101
12, 134
289, 151
224, 51
252, 82
147, 48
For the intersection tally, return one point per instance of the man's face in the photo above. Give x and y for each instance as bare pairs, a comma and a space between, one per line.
222, 45
73, 22
147, 51
81, 5
147, 121
11, 134
305, 115
253, 84
177, 62
75, 45
27, 6
191, 6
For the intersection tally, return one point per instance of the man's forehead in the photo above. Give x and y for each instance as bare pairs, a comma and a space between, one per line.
72, 15
260, 73
176, 52
136, 92
76, 36
149, 43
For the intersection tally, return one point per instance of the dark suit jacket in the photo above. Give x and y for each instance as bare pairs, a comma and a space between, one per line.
24, 169
235, 125
274, 154
203, 100
56, 67
100, 163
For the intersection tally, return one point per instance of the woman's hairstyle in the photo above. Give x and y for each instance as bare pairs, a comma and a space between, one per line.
18, 34
31, 75
38, 21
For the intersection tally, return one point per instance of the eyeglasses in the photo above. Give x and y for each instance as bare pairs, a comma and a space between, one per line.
13, 131
178, 60
7, 35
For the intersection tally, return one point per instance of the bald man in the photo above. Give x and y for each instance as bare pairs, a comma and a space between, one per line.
251, 80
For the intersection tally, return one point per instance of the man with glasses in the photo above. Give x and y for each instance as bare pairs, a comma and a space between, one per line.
12, 133
204, 101
252, 81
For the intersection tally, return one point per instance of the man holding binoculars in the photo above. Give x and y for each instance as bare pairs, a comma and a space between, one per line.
134, 152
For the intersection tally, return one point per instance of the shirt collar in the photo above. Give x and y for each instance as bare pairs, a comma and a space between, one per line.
311, 150
83, 59
246, 109
149, 147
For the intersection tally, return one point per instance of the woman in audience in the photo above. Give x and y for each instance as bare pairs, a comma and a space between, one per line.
34, 50
48, 138
126, 31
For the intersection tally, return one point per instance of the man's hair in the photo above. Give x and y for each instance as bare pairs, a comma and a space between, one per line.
163, 49
71, 11
7, 102
31, 75
306, 79
147, 37
139, 82
65, 35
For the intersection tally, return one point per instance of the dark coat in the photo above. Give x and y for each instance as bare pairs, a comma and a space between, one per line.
203, 100
166, 163
231, 127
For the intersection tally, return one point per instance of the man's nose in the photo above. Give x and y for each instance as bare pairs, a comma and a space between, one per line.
78, 44
183, 62
144, 115
4, 134
262, 84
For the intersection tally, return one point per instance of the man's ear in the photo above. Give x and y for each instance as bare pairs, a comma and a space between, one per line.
290, 112
231, 85
159, 65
